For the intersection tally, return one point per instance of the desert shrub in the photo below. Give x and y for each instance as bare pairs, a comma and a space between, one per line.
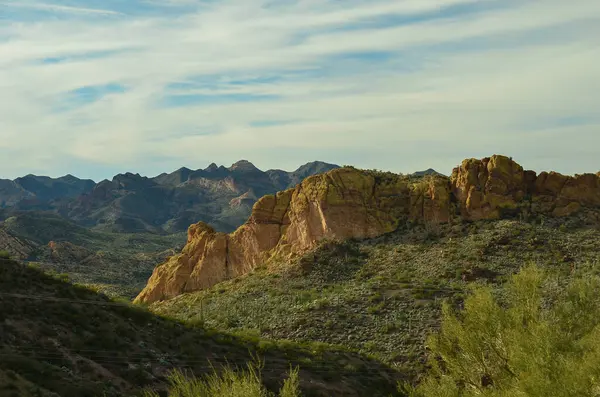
528, 341
228, 383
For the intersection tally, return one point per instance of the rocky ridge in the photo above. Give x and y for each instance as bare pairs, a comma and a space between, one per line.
350, 203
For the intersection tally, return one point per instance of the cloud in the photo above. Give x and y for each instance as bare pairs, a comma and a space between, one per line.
390, 84
56, 8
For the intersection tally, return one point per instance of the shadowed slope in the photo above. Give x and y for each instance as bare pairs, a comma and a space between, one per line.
63, 339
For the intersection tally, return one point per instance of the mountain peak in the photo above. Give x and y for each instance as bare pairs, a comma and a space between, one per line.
130, 180
429, 171
315, 167
211, 168
243, 166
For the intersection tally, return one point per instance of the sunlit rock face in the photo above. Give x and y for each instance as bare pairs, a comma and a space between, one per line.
350, 203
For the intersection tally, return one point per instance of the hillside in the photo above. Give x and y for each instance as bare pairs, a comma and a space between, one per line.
114, 263
382, 296
57, 339
165, 204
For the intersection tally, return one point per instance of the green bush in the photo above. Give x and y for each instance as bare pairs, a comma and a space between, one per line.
531, 342
229, 383
4, 254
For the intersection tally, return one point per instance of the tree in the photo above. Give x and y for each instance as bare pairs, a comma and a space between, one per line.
533, 340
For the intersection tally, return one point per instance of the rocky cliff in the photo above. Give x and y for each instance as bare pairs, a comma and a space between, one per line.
489, 188
346, 203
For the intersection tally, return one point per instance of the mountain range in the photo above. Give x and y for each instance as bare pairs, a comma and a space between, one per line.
165, 204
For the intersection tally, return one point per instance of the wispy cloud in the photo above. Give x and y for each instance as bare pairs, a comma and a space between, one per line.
393, 84
56, 8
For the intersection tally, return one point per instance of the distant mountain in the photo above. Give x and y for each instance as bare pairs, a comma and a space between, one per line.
429, 171
46, 188
11, 193
284, 180
34, 190
167, 203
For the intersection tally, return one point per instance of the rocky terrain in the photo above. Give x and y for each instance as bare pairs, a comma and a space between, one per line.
349, 203
166, 204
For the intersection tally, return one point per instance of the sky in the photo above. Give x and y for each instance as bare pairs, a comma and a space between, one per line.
98, 87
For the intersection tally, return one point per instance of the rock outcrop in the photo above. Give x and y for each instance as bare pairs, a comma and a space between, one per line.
489, 188
349, 203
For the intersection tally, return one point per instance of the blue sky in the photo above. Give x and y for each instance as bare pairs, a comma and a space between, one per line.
96, 87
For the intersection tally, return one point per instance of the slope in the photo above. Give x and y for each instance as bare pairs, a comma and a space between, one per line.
57, 339
382, 296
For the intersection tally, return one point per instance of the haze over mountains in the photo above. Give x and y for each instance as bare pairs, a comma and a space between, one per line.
167, 203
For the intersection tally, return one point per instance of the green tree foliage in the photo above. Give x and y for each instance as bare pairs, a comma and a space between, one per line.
229, 383
532, 342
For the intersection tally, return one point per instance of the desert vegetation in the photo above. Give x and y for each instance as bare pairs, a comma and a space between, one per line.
228, 383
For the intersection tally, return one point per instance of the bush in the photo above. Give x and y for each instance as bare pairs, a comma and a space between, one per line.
247, 383
4, 254
529, 344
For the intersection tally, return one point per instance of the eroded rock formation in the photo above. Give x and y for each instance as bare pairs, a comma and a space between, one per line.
485, 189
346, 203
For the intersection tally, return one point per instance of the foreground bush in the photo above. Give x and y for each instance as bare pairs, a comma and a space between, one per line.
228, 383
527, 343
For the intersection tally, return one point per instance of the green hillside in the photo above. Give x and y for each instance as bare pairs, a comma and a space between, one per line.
383, 296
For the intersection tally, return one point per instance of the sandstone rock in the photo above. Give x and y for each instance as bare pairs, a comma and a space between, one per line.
341, 204
350, 203
484, 188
